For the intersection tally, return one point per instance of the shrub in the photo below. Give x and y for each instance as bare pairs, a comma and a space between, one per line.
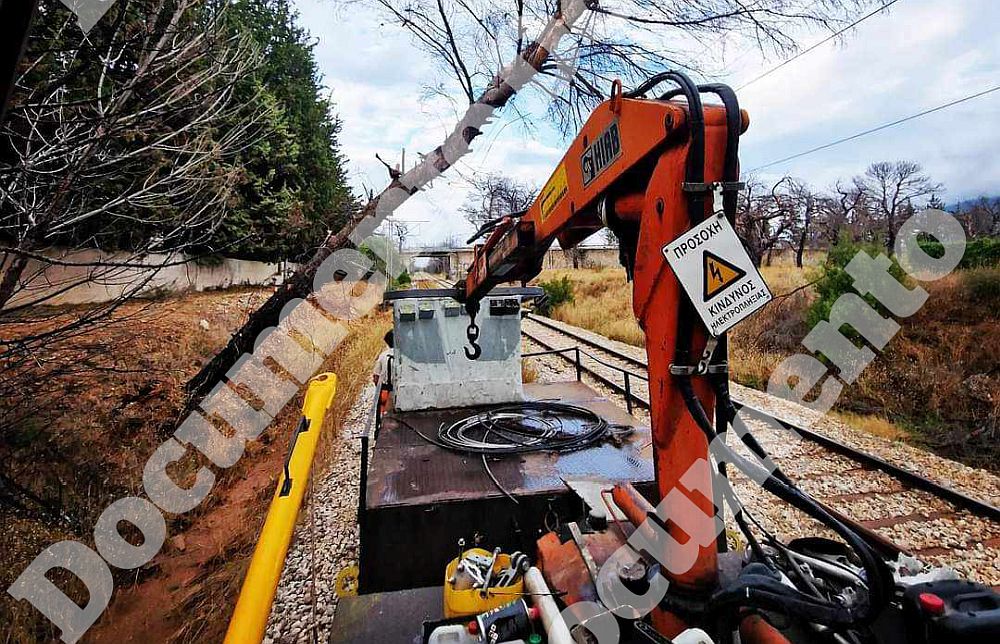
402, 281
982, 252
557, 291
982, 285
832, 279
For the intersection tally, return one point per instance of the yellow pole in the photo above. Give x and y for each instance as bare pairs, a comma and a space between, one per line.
261, 583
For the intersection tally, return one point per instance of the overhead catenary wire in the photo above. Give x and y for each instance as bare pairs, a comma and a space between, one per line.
878, 128
815, 46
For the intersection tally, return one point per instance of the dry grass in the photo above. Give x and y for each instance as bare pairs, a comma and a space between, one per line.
207, 607
940, 375
760, 342
875, 425
936, 384
603, 303
89, 446
86, 444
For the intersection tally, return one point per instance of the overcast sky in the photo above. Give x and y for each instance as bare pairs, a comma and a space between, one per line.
918, 55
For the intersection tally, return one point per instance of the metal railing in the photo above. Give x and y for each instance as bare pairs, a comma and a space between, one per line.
577, 360
253, 607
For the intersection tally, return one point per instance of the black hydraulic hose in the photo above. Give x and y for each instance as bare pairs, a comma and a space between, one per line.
694, 174
796, 498
720, 383
731, 165
721, 425
730, 174
748, 439
779, 485
695, 169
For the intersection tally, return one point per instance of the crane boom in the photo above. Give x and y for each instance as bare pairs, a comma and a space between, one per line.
649, 170
645, 168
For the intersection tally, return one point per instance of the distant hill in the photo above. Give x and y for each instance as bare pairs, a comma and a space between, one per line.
965, 203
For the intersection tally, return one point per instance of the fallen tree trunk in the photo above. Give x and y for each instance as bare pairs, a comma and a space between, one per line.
299, 285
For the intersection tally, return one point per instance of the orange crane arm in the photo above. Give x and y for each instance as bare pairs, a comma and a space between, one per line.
630, 169
605, 173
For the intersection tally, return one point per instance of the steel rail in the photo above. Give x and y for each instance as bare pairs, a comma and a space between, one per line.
907, 477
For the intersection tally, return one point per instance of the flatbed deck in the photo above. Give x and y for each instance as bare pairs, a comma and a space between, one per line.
420, 498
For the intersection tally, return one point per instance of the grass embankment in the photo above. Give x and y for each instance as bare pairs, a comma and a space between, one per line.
202, 613
86, 445
937, 384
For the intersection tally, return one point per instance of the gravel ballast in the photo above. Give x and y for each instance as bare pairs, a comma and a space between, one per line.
327, 534
934, 530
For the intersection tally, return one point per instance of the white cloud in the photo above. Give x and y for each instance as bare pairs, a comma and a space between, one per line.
920, 54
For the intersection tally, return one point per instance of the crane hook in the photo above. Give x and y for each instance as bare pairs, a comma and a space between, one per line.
472, 333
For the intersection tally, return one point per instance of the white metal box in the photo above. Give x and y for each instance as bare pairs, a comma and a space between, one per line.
430, 367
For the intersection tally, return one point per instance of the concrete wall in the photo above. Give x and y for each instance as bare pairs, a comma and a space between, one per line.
460, 258
87, 284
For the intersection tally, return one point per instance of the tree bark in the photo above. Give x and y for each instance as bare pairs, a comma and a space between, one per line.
299, 284
804, 237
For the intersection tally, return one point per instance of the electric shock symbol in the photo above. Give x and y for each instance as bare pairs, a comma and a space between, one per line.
719, 274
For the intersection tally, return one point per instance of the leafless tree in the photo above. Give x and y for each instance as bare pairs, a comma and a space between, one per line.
895, 186
982, 218
496, 95
789, 215
627, 39
400, 231
847, 209
120, 140
475, 41
575, 255
450, 241
494, 196
802, 207
437, 266
609, 238
763, 220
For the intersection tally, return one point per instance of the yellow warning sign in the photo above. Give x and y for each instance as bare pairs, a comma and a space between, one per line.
724, 292
553, 192
719, 274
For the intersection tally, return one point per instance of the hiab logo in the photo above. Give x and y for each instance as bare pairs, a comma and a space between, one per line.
719, 274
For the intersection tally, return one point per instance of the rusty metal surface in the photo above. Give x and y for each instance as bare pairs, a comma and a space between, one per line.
407, 470
564, 568
392, 618
421, 498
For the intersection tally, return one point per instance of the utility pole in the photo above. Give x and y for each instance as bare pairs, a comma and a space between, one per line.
402, 229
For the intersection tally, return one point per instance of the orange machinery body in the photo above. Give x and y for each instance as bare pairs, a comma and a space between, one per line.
638, 183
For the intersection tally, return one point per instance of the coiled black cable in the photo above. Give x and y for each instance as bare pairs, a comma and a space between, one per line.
542, 426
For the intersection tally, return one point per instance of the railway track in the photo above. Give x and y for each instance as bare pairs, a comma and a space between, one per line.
908, 510
424, 280
912, 512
